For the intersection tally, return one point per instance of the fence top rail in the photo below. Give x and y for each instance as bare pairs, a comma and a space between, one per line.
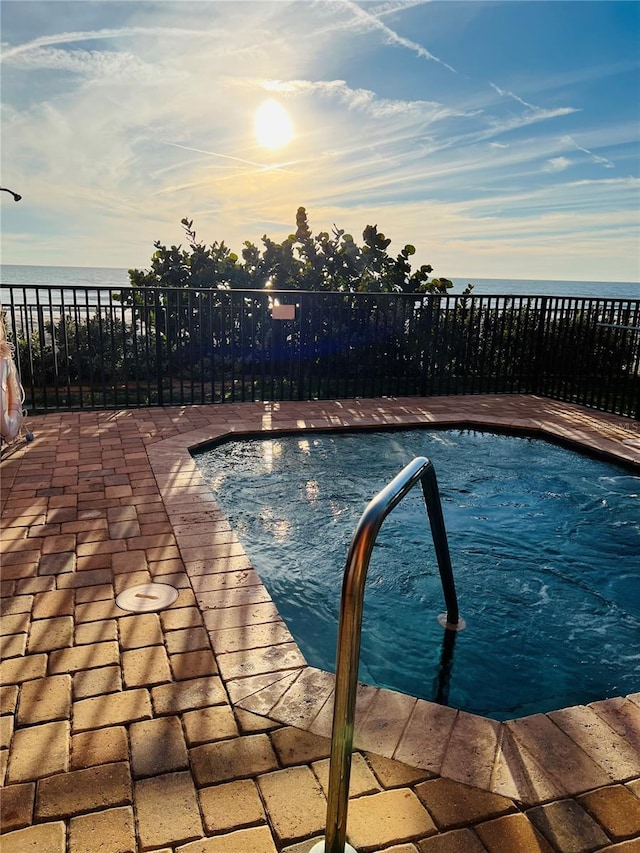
289, 293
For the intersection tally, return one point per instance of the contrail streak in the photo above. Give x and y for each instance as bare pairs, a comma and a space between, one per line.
265, 168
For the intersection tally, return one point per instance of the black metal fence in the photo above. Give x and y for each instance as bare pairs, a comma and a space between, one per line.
96, 348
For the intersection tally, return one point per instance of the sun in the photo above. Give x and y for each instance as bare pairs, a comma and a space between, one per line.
273, 127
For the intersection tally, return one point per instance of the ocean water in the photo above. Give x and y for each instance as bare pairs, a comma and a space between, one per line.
22, 275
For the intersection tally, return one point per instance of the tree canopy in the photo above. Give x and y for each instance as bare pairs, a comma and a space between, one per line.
302, 261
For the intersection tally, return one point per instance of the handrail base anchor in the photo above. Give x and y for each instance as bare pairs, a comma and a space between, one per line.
460, 625
319, 848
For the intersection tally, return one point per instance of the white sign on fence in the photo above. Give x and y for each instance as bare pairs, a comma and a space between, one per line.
283, 312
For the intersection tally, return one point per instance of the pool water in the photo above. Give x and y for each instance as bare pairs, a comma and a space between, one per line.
545, 549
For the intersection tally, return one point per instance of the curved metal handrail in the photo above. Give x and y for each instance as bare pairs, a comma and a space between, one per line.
350, 627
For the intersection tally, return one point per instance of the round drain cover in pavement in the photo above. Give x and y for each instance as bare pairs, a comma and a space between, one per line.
146, 597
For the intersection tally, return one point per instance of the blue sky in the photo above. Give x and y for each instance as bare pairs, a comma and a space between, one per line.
501, 139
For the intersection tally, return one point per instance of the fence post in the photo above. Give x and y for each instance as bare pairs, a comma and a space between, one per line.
156, 306
542, 324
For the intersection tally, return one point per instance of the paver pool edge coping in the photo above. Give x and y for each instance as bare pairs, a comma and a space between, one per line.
534, 759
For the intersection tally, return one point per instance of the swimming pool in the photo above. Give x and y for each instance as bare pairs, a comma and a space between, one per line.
544, 545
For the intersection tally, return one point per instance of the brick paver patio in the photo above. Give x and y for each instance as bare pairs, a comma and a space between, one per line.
199, 728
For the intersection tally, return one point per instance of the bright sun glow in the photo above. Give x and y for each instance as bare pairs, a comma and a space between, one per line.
273, 127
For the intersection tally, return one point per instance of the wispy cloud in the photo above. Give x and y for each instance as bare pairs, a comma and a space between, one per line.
557, 164
366, 100
88, 63
595, 157
102, 34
